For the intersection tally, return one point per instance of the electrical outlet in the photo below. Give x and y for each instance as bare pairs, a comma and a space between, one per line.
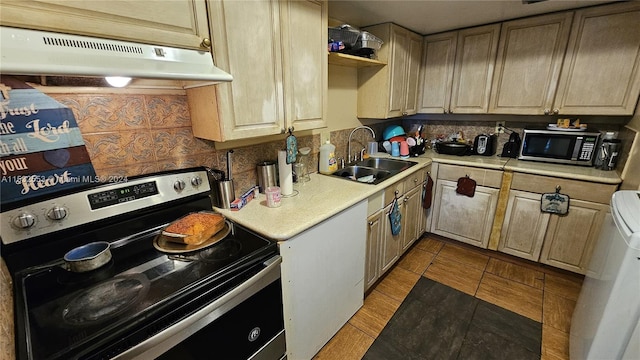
325, 136
499, 127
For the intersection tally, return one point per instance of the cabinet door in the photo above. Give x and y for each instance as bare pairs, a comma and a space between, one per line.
390, 244
180, 23
399, 62
473, 71
601, 70
412, 75
463, 218
528, 65
386, 91
436, 78
252, 104
524, 226
374, 232
412, 216
569, 240
304, 29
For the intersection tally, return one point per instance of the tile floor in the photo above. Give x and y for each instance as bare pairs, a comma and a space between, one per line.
538, 292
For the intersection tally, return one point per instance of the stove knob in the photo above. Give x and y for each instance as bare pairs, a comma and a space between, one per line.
196, 181
24, 221
57, 213
179, 185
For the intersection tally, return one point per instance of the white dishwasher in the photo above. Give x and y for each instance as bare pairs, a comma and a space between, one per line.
605, 321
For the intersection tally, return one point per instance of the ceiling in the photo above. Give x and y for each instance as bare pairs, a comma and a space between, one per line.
432, 16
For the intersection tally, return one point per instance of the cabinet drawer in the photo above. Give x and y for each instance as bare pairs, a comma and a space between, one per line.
390, 191
414, 179
576, 189
483, 177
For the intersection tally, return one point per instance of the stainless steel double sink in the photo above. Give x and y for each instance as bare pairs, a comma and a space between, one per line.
373, 170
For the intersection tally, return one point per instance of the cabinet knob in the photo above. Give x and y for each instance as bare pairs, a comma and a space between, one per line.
406, 198
556, 111
404, 113
206, 43
547, 111
415, 180
370, 223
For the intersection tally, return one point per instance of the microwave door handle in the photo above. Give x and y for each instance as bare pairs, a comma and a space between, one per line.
577, 146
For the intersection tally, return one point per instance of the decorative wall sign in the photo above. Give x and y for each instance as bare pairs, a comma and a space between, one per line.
41, 147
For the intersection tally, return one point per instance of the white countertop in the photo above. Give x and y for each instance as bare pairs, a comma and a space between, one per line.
325, 196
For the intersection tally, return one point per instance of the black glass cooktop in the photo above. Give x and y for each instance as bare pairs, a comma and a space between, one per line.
67, 311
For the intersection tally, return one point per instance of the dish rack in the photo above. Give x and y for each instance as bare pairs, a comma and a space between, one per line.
346, 39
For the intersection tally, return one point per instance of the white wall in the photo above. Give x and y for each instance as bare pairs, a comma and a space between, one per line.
631, 171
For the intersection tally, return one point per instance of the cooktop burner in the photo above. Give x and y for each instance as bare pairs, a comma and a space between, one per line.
105, 300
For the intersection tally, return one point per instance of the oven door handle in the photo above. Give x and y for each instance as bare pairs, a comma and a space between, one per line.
166, 339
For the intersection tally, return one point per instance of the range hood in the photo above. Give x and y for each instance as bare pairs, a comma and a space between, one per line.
34, 52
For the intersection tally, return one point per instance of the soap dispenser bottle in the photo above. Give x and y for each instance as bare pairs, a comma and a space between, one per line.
328, 162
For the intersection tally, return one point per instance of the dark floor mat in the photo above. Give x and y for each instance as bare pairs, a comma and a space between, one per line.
439, 322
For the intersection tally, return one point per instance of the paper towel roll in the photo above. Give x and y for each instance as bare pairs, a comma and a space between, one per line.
285, 174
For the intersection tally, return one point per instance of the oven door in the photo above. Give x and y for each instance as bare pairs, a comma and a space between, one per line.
245, 323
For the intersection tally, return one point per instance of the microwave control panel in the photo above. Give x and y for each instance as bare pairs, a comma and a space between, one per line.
585, 147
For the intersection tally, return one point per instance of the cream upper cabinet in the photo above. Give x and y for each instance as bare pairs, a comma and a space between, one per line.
601, 69
528, 64
391, 91
436, 72
277, 54
460, 83
179, 23
473, 71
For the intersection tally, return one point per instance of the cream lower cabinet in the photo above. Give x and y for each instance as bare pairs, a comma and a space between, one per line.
460, 217
570, 239
179, 23
374, 238
391, 245
524, 226
562, 241
276, 52
463, 218
384, 248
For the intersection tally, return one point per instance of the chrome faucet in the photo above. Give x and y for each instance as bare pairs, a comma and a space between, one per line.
349, 141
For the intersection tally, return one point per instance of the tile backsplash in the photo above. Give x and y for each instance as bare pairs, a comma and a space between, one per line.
128, 135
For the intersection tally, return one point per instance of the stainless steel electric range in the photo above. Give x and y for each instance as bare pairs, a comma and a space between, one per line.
150, 300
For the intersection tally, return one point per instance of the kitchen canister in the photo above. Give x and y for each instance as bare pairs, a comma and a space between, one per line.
224, 193
267, 175
273, 196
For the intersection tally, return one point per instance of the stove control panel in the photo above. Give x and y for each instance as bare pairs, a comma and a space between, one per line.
100, 202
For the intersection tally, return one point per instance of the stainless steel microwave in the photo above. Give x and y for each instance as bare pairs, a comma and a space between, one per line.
558, 146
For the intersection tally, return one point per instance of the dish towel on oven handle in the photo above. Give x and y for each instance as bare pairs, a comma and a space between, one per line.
466, 186
395, 217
